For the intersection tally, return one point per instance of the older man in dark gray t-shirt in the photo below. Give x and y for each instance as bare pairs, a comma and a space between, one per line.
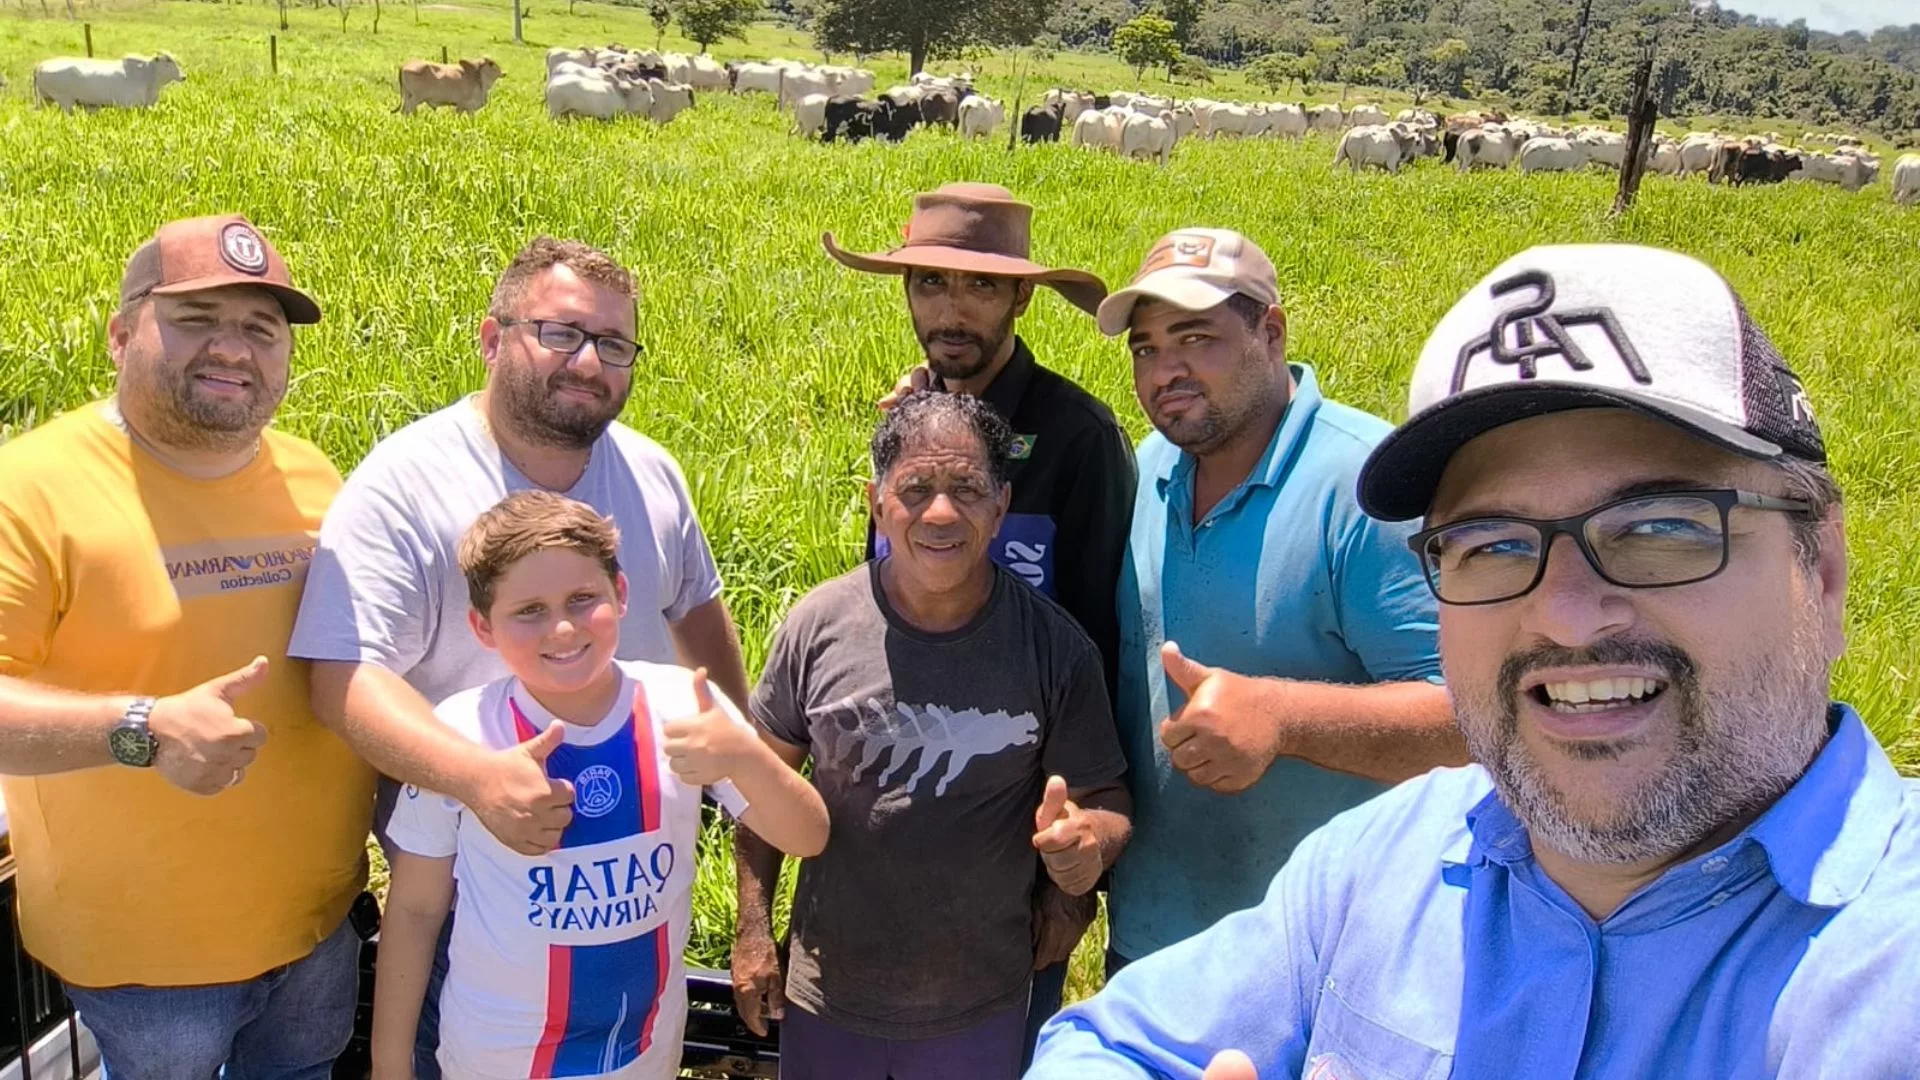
958, 721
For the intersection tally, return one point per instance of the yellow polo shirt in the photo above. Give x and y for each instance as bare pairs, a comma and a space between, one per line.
120, 575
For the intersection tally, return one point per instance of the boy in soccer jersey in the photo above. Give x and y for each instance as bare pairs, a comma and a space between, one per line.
568, 964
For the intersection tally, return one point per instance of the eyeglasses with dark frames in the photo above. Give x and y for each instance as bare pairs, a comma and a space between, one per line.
1638, 542
568, 339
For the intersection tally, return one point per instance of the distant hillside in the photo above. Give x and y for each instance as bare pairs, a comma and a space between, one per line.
1709, 60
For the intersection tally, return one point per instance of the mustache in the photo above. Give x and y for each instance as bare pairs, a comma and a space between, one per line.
953, 336
1681, 670
203, 365
562, 381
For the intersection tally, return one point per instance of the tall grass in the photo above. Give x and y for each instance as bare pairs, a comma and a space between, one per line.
763, 357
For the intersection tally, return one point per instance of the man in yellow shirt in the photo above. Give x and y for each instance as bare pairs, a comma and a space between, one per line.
189, 837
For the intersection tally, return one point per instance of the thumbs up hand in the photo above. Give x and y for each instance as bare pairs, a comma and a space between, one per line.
710, 745
1065, 838
1230, 1065
202, 745
518, 802
1224, 738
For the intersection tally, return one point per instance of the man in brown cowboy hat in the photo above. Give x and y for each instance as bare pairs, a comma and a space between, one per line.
968, 276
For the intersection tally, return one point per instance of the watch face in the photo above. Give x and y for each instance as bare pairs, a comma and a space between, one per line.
131, 745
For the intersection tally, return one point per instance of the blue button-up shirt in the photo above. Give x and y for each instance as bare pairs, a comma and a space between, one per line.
1416, 938
1284, 577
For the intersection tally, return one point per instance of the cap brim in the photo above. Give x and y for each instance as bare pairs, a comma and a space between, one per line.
1400, 476
1186, 293
300, 308
1081, 289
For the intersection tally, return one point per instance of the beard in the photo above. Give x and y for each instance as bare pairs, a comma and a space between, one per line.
540, 416
985, 348
1223, 418
177, 410
1737, 748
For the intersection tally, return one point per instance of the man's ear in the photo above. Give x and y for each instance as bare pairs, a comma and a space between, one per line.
482, 628
119, 332
620, 592
490, 329
1830, 578
1022, 296
873, 500
1275, 329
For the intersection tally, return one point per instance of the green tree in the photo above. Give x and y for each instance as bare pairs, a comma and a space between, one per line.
924, 29
661, 15
1445, 65
1184, 15
1144, 42
707, 21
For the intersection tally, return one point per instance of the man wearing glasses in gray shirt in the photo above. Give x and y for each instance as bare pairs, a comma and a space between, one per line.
384, 614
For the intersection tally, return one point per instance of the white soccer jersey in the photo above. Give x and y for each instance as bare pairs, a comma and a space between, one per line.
568, 964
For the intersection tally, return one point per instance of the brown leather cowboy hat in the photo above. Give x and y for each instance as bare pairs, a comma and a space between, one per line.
974, 228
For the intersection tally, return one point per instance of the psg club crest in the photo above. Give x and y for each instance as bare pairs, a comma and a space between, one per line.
596, 791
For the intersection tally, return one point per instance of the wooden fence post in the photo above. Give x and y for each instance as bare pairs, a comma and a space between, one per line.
1640, 119
87, 28
273, 53
443, 54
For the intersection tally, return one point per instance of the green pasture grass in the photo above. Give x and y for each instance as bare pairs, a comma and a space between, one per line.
764, 357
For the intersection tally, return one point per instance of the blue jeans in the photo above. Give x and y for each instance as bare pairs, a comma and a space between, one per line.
1049, 986
288, 1024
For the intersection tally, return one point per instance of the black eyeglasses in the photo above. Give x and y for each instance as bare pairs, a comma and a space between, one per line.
613, 350
1640, 542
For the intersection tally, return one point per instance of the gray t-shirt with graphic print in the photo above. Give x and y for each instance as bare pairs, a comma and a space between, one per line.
932, 752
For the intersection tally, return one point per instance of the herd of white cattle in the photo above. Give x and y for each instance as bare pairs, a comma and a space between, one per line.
826, 100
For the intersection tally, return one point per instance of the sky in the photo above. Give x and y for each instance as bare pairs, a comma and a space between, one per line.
1837, 16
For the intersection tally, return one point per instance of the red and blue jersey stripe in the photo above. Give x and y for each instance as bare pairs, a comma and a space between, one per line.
602, 1004
616, 782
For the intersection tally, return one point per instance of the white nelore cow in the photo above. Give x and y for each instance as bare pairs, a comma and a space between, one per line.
1666, 156
583, 57
1697, 152
799, 84
757, 78
1325, 118
1100, 128
1231, 121
1147, 137
1906, 179
1607, 148
669, 100
1380, 145
980, 115
1367, 115
1490, 145
576, 91
810, 116
705, 73
1845, 170
463, 86
132, 82
1072, 103
1554, 155
1287, 120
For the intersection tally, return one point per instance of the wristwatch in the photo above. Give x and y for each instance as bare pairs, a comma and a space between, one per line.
131, 741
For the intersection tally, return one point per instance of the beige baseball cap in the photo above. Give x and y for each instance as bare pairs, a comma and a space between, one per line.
1194, 269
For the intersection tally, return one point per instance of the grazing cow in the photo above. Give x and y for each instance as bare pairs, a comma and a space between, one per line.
1380, 145
132, 82
1184, 122
1325, 118
1367, 116
854, 82
462, 86
1071, 102
750, 77
1121, 98
1100, 130
705, 73
601, 95
1698, 151
1287, 120
940, 105
583, 57
1906, 180
1232, 121
669, 100
810, 115
1147, 137
1418, 118
799, 84
1666, 156
1554, 155
980, 115
1607, 148
1750, 162
1491, 146
1845, 170
1042, 123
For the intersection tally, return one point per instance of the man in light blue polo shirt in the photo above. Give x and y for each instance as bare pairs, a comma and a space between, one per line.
1304, 672
1680, 858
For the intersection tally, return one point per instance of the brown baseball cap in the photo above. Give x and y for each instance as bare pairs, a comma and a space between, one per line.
208, 253
1194, 269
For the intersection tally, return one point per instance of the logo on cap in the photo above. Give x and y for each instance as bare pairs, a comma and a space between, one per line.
243, 249
1194, 251
1538, 332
